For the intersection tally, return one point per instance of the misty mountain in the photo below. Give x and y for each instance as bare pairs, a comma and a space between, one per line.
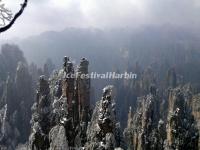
109, 45
165, 59
118, 49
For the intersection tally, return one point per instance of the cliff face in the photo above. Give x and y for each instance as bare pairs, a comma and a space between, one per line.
144, 128
129, 90
147, 130
195, 106
9, 58
62, 110
182, 132
41, 117
104, 130
16, 98
166, 118
62, 115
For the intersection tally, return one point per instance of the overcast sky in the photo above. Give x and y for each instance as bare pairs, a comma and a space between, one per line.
44, 15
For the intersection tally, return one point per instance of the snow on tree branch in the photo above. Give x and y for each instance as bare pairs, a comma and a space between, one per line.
5, 15
7, 19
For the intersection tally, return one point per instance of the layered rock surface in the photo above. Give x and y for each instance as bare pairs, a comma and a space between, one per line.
148, 129
166, 118
103, 131
16, 98
62, 109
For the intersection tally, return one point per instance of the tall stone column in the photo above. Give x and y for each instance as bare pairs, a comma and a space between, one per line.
68, 83
83, 90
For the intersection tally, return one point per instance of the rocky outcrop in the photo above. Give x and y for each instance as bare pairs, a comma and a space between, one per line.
54, 124
130, 89
83, 90
62, 120
103, 131
62, 109
41, 117
181, 127
58, 139
195, 106
16, 98
144, 127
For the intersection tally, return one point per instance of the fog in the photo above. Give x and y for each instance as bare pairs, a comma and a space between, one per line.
156, 39
57, 15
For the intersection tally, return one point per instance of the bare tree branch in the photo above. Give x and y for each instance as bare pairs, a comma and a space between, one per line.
6, 15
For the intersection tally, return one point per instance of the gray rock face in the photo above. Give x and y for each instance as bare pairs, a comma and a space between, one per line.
182, 132
146, 130
41, 117
195, 106
58, 139
62, 109
61, 117
101, 133
16, 98
142, 131
83, 90
61, 114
